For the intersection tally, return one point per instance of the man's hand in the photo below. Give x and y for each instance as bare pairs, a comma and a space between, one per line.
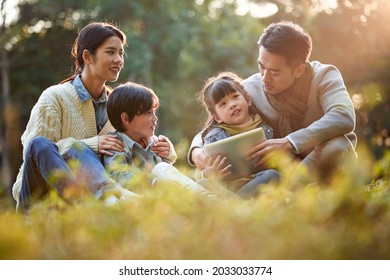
262, 149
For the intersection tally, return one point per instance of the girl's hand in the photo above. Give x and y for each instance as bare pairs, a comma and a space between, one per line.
161, 147
216, 168
109, 142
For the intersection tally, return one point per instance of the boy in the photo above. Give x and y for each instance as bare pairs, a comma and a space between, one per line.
131, 110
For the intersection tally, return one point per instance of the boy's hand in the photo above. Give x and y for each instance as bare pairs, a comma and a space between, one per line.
216, 168
162, 147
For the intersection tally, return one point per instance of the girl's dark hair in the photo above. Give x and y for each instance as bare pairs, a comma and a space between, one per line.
216, 88
130, 98
90, 38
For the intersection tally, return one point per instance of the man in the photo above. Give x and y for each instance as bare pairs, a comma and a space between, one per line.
306, 103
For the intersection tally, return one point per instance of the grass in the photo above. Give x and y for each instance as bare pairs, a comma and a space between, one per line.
347, 218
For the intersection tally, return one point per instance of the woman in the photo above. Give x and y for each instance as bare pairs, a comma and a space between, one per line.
75, 110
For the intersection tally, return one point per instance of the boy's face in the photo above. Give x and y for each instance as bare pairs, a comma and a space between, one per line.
142, 126
233, 109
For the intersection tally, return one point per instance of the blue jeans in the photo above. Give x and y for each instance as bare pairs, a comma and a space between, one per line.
251, 188
245, 188
43, 160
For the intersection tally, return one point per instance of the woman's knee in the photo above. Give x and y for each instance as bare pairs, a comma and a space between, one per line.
79, 150
79, 146
40, 146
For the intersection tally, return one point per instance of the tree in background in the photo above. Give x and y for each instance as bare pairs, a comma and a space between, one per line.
9, 118
173, 46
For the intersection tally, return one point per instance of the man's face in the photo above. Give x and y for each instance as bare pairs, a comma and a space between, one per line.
276, 74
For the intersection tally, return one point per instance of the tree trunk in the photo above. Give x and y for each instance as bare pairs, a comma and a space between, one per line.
6, 114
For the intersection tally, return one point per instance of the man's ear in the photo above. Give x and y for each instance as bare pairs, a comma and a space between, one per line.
300, 70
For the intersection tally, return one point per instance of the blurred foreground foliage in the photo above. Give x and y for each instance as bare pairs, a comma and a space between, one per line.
344, 219
173, 46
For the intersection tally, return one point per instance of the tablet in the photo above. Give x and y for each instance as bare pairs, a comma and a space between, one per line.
235, 149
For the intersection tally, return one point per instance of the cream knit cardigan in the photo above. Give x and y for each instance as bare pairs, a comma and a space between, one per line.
60, 116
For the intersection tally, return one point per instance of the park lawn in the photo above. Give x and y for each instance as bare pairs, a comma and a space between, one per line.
346, 218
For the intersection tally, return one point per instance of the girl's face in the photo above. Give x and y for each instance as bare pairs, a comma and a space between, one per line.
142, 126
108, 60
233, 109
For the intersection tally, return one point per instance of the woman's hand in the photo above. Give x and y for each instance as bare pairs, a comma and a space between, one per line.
109, 142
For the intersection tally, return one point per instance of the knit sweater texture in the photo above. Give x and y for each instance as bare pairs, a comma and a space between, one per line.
60, 116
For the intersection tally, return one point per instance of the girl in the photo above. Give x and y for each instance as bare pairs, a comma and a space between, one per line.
231, 112
75, 110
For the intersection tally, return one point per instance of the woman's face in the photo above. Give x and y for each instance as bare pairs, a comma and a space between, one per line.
108, 61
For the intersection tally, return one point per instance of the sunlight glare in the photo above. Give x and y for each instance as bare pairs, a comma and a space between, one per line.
10, 12
260, 10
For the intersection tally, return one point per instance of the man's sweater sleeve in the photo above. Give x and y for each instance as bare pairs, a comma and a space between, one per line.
339, 113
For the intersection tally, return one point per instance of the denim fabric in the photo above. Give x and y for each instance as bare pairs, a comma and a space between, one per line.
43, 161
251, 189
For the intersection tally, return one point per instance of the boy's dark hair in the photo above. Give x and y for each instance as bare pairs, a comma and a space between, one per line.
289, 40
130, 98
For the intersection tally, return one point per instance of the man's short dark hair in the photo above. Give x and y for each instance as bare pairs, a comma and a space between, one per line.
289, 40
